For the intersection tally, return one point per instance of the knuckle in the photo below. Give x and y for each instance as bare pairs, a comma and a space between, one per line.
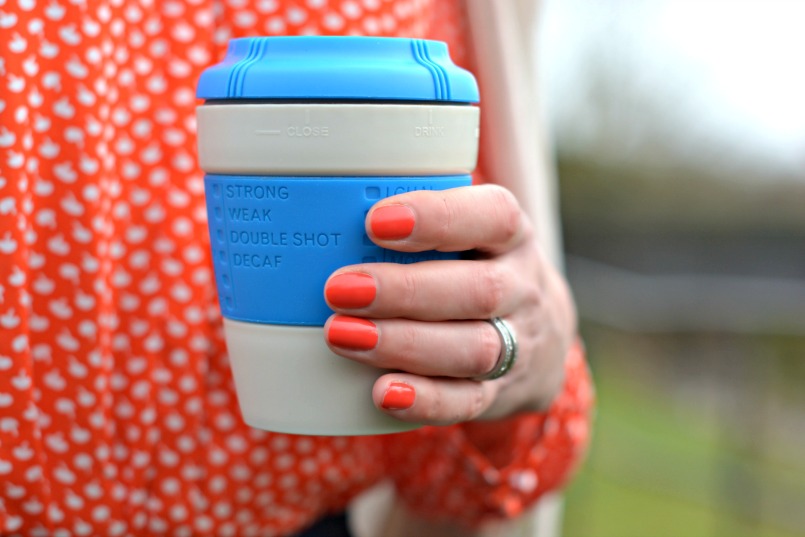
477, 402
532, 296
488, 350
410, 283
434, 411
406, 348
444, 229
490, 290
508, 209
447, 407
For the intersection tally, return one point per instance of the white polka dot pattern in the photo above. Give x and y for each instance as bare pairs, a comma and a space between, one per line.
117, 410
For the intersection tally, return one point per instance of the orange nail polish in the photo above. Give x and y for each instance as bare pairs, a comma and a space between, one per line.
398, 396
352, 333
351, 290
392, 222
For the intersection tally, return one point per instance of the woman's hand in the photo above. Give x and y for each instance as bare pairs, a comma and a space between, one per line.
427, 321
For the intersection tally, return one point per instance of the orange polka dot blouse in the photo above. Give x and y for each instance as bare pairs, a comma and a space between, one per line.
117, 409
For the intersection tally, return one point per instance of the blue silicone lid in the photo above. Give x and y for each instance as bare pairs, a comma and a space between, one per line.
326, 67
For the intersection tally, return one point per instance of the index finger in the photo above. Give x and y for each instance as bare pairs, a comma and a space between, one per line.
486, 218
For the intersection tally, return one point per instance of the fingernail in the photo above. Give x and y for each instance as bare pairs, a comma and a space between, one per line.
392, 222
352, 333
398, 396
351, 290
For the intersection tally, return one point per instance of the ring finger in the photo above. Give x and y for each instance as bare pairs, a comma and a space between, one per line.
460, 349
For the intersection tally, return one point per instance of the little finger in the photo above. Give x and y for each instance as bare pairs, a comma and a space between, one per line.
433, 401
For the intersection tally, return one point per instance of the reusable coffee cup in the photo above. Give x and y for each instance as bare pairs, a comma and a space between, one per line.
299, 137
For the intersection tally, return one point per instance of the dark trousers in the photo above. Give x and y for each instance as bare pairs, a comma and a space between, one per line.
329, 526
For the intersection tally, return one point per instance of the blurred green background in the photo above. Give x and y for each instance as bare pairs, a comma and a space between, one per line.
679, 129
697, 434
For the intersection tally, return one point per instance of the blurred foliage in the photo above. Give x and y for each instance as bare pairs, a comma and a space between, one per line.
624, 198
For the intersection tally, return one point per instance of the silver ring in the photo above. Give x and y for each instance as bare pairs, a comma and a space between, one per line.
508, 350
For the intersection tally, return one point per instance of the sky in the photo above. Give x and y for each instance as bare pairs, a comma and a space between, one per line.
712, 82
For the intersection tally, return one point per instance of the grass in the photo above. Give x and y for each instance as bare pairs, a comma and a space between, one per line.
654, 471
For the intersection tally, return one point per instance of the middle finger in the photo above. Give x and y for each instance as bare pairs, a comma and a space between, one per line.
426, 291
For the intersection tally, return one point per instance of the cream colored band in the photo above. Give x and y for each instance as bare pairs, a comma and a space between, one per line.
289, 381
338, 139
